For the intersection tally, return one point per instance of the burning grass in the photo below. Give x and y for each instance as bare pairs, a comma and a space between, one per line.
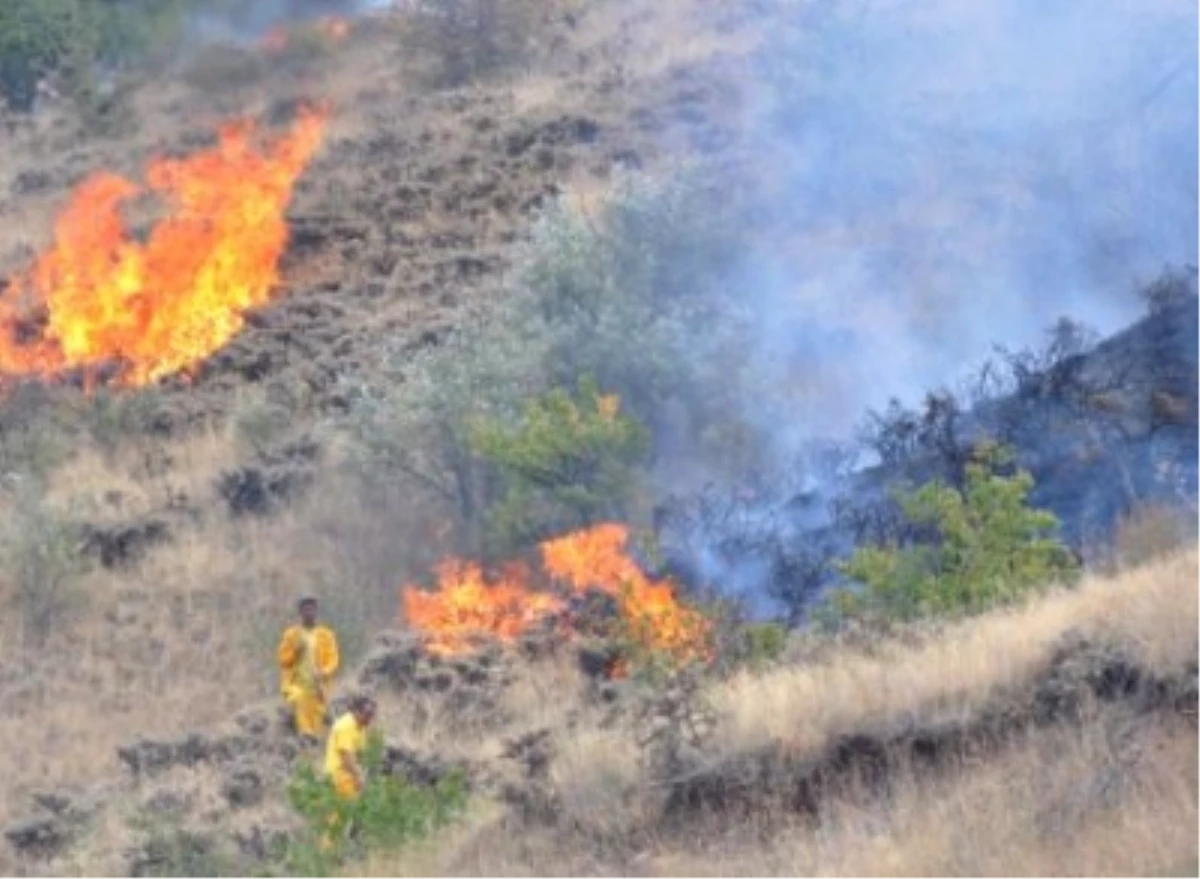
100, 298
464, 607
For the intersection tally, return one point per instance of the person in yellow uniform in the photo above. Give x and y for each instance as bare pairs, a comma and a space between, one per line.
308, 660
347, 739
343, 764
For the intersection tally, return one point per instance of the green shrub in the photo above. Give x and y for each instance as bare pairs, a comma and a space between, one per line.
986, 547
763, 643
389, 813
79, 43
564, 464
632, 296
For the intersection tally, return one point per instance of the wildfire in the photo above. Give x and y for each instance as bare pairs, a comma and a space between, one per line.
465, 607
596, 559
100, 297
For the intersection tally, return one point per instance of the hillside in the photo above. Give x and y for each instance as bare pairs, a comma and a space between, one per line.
751, 225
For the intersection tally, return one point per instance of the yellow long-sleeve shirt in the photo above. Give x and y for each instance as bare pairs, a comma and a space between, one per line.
307, 657
346, 737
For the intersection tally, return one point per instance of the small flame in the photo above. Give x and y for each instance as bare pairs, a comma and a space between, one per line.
100, 297
332, 28
464, 607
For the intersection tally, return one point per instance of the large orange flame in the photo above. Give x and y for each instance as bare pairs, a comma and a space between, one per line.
464, 607
595, 558
99, 297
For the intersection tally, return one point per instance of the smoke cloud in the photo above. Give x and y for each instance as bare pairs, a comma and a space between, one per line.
957, 175
948, 176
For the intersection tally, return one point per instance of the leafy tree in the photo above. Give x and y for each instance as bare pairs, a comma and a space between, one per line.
36, 37
632, 291
75, 40
564, 464
982, 545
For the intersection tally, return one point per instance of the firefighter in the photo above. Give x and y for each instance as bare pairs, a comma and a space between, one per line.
343, 751
308, 660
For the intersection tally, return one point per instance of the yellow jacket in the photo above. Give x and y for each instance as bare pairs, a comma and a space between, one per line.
346, 737
307, 657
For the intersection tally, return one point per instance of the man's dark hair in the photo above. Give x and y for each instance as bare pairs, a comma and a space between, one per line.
362, 702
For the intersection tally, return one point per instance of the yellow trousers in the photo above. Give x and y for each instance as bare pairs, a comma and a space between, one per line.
346, 787
308, 707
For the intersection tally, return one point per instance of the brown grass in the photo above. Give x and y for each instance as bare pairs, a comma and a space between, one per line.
1112, 795
183, 639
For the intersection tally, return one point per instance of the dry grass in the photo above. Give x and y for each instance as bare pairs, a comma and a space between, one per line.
1151, 611
184, 638
1063, 803
1112, 795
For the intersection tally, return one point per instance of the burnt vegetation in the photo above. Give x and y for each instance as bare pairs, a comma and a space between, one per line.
1105, 427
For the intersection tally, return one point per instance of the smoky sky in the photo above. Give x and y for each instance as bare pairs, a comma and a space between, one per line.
954, 175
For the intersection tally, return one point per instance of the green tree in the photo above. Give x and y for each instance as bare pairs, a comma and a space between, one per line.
565, 463
36, 37
987, 547
73, 41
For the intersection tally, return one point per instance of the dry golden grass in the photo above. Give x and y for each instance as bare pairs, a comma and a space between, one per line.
1150, 611
1112, 795
184, 638
1063, 803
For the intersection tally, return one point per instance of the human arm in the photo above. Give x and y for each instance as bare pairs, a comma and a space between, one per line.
328, 657
291, 648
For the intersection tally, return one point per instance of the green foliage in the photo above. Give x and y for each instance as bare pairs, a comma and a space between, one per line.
80, 42
988, 547
564, 464
389, 813
763, 643
631, 294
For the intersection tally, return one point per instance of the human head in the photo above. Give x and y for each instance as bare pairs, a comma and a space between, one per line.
308, 610
363, 708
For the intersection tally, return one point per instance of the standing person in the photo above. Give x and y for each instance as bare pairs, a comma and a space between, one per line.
346, 742
308, 660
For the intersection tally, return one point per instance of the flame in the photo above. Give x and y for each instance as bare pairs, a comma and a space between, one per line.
100, 297
595, 558
332, 28
465, 607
